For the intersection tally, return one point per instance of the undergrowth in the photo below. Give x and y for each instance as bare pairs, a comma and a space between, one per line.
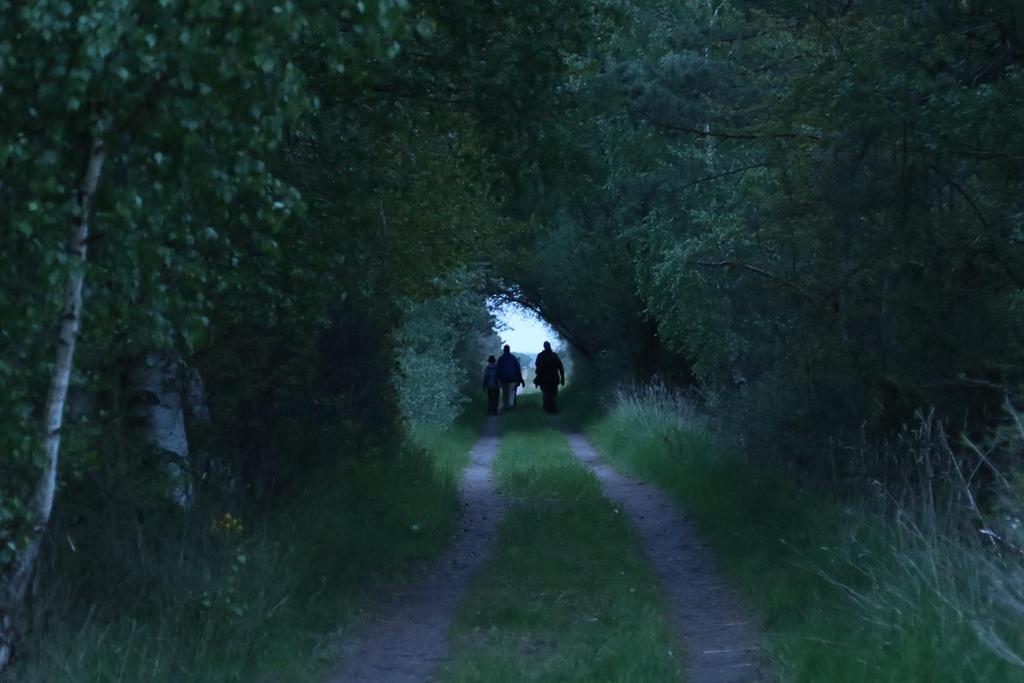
245, 594
873, 591
568, 595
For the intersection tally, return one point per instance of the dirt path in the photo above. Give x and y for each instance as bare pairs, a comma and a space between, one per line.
710, 621
407, 640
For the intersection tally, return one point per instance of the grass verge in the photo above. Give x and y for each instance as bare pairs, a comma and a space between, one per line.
568, 595
847, 594
245, 595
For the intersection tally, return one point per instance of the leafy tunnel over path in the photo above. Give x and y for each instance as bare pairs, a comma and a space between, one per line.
237, 234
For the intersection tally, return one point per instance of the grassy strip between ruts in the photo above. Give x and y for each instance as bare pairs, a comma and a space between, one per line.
263, 598
568, 595
846, 595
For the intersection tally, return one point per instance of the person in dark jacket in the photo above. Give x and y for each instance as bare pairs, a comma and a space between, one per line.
492, 385
510, 374
550, 374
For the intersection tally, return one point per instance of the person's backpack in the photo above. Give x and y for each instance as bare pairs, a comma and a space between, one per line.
508, 368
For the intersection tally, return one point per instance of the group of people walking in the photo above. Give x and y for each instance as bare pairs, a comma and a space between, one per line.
504, 376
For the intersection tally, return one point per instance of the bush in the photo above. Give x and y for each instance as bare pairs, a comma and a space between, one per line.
229, 593
914, 581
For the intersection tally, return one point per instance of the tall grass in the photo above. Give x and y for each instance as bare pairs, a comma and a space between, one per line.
251, 593
449, 446
897, 585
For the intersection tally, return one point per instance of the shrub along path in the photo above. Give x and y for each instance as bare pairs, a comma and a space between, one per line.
716, 630
407, 639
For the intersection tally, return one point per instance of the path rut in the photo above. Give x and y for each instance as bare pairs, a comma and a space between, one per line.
407, 640
710, 620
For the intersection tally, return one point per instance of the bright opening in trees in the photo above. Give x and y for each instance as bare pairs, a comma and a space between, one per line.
522, 329
254, 258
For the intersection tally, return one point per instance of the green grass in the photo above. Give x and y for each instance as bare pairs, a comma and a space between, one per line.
846, 594
568, 595
449, 446
261, 603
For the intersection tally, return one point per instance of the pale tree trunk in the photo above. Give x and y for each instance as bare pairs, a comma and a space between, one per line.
709, 139
157, 391
17, 576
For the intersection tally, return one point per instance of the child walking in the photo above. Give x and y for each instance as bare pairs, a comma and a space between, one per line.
492, 385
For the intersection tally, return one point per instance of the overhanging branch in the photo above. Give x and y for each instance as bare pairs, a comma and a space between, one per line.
732, 135
722, 175
795, 288
521, 299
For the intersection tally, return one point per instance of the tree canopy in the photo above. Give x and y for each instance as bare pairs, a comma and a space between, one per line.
808, 212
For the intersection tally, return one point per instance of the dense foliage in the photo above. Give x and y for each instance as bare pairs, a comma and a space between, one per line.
816, 206
808, 211
279, 189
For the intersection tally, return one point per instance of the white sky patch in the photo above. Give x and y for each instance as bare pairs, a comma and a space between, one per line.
524, 330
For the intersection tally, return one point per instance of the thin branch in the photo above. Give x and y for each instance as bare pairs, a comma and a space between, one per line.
731, 136
984, 155
722, 175
963, 193
759, 271
703, 133
148, 100
527, 303
445, 96
964, 381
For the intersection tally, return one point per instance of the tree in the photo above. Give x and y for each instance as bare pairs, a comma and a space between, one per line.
175, 106
852, 225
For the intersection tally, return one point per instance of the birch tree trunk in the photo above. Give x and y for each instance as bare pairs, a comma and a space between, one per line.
17, 576
709, 139
158, 412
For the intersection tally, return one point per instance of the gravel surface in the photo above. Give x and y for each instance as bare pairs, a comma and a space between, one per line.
719, 635
406, 639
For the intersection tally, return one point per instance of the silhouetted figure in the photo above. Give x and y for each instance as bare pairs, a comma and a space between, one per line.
492, 385
510, 374
550, 374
